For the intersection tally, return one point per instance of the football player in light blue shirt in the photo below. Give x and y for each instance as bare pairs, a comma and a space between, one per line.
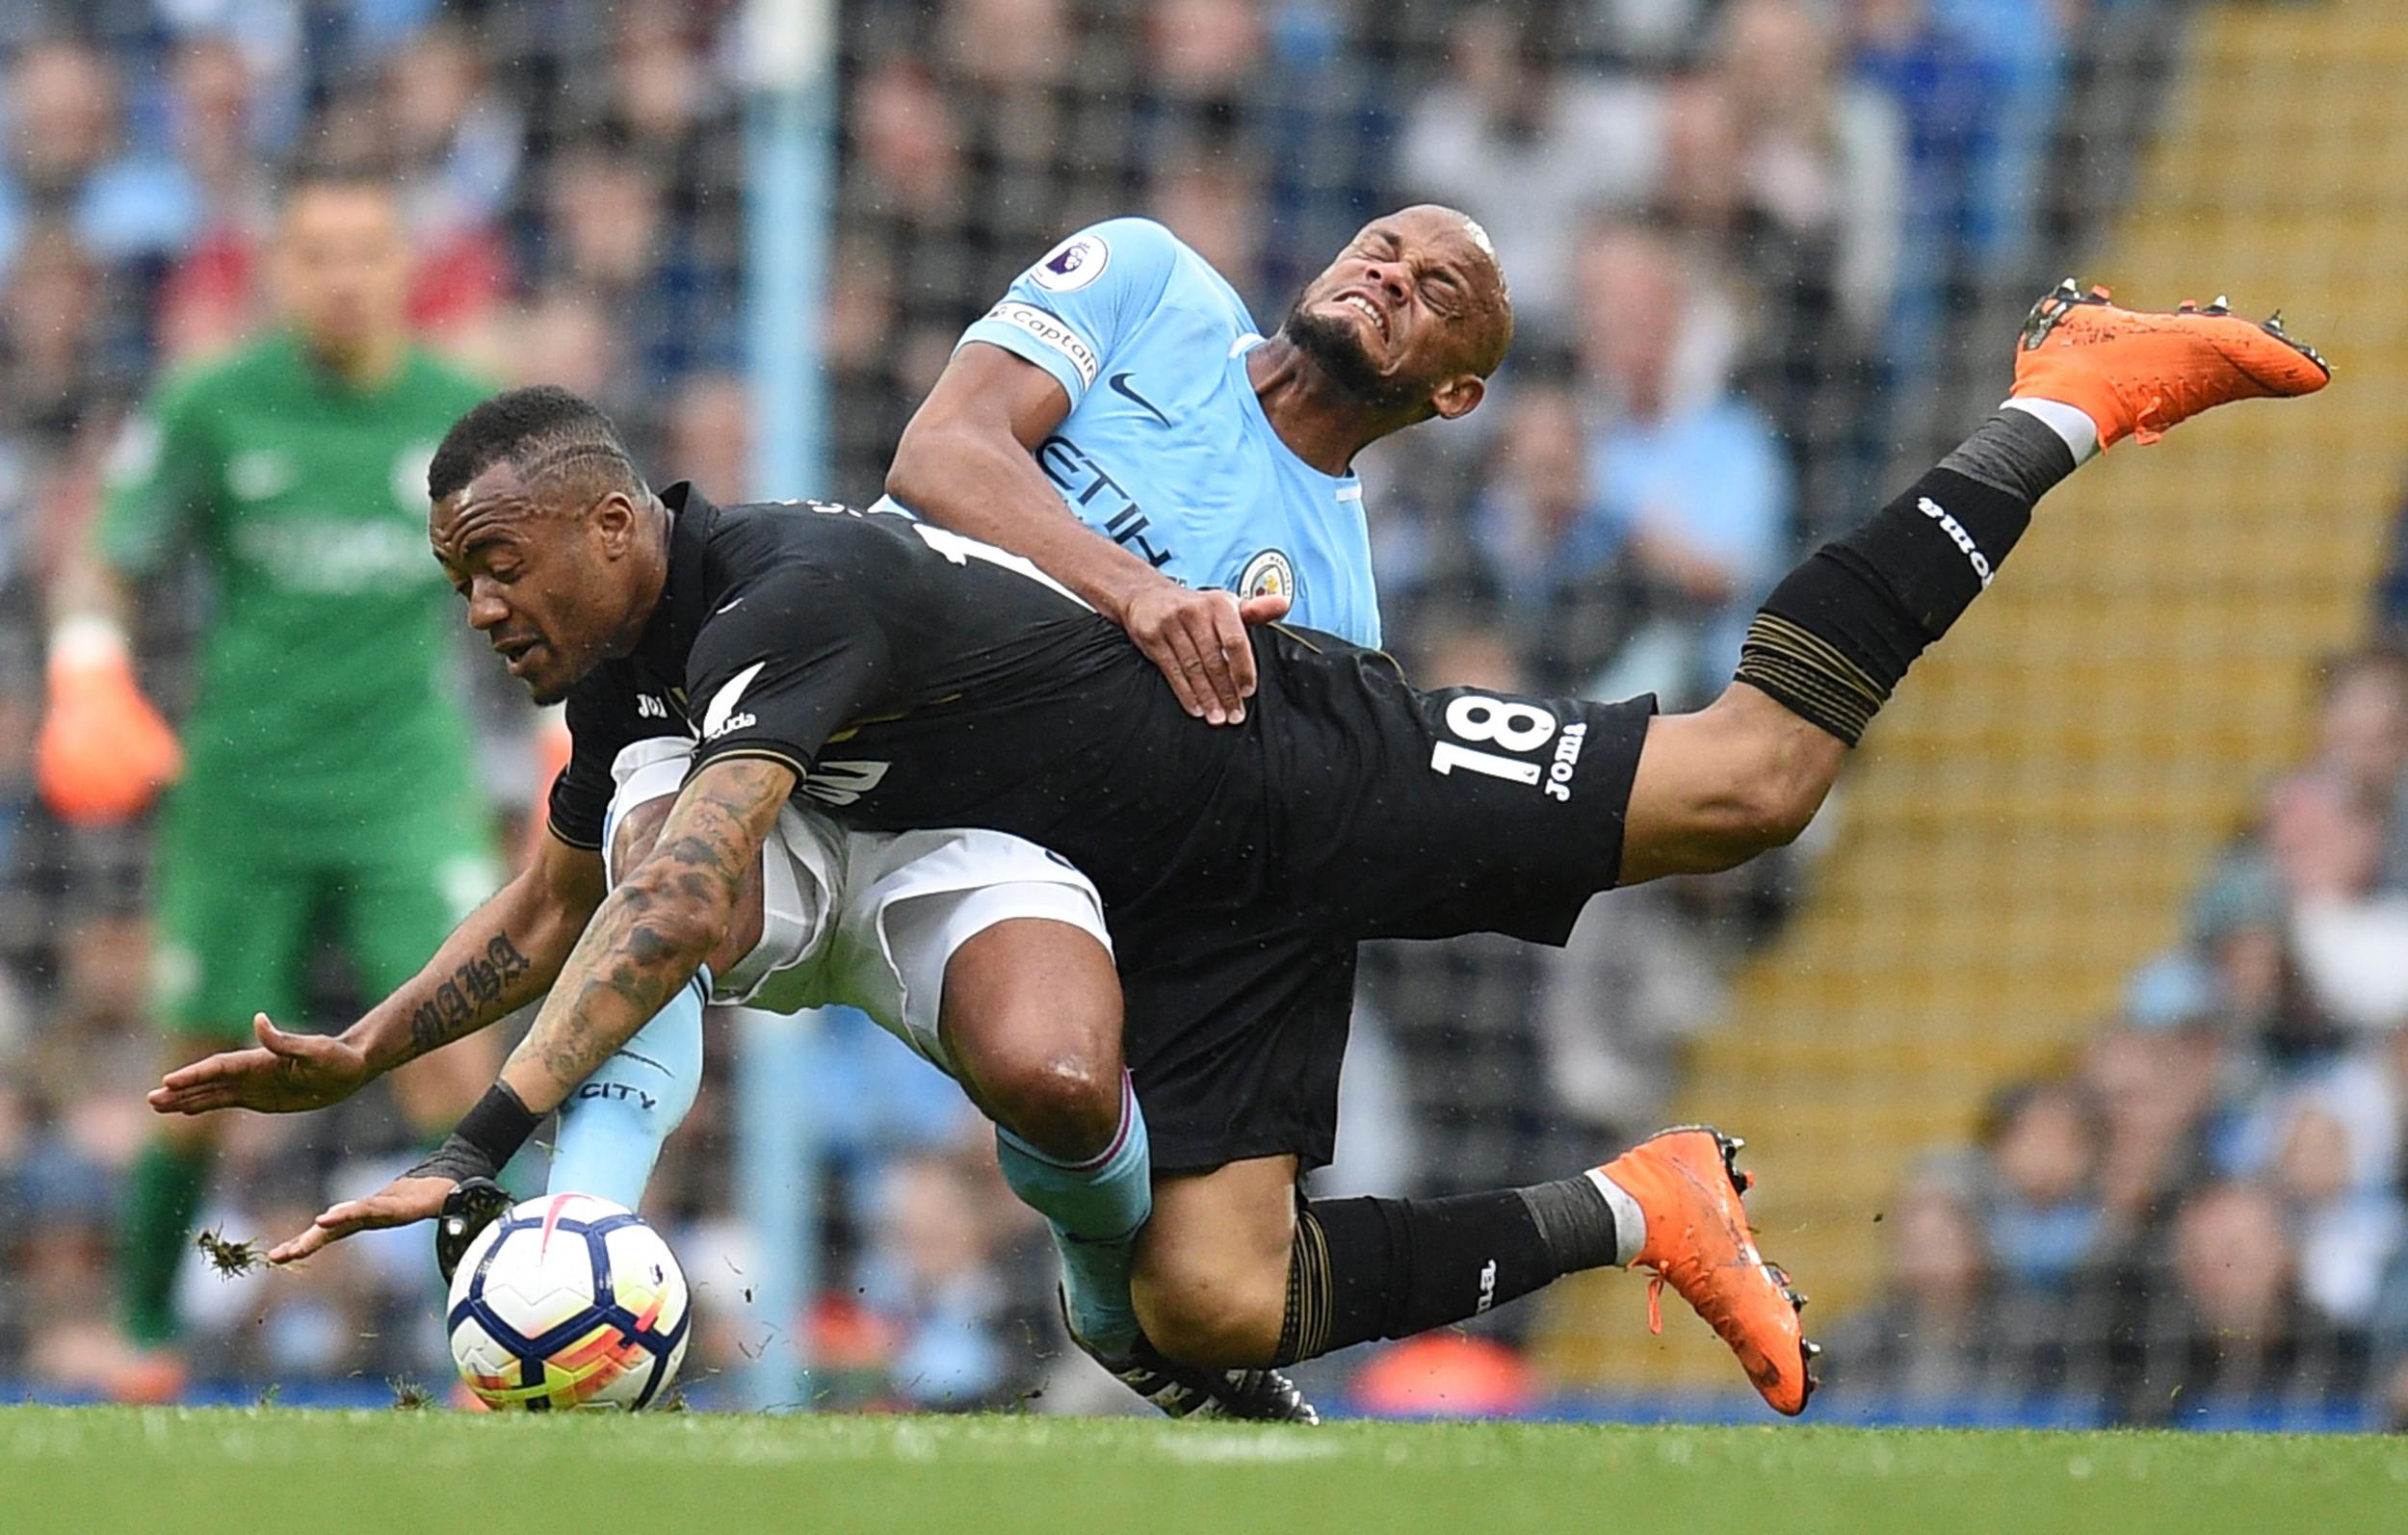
1209, 470
1130, 377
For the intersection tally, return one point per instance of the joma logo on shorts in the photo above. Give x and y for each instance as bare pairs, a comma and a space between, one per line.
1567, 758
1956, 534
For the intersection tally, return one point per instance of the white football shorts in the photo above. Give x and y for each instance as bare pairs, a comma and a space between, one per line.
867, 920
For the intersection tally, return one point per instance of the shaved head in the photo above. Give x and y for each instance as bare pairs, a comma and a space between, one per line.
1412, 317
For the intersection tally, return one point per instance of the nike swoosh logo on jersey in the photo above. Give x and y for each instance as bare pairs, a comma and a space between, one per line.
1120, 386
727, 607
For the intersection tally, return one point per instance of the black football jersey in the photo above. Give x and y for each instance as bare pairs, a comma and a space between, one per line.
914, 678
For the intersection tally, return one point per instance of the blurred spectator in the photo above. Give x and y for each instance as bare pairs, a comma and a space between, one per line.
2044, 1225
2242, 918
669, 102
1010, 60
53, 367
564, 335
2336, 1164
1203, 59
1820, 156
69, 160
612, 237
2244, 1350
908, 146
1535, 149
2327, 842
1690, 489
1795, 172
2155, 1077
1544, 551
1639, 979
456, 142
2362, 737
210, 297
1932, 1337
2043, 1160
932, 1276
2020, 46
1951, 103
710, 435
1214, 200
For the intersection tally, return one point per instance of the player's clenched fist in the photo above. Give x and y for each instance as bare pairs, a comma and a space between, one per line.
1198, 640
104, 753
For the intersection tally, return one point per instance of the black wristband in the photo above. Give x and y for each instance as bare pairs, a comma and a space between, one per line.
498, 1126
457, 1160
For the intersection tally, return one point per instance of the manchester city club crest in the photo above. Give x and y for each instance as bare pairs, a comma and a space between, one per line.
1268, 574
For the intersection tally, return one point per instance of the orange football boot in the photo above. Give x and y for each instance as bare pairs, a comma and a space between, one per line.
1688, 1184
2138, 374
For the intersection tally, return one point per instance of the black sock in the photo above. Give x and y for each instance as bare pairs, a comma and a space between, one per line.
1838, 632
2016, 451
1366, 1268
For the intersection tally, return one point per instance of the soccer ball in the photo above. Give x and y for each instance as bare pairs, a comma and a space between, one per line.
568, 1301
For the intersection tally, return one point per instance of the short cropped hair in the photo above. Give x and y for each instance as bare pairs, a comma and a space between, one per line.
538, 431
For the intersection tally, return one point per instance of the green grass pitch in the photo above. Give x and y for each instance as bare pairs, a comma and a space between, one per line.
197, 1472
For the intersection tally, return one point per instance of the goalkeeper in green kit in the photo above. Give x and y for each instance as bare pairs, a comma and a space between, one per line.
327, 782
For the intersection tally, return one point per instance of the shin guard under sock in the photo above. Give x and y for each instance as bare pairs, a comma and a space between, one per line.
1366, 1268
612, 1127
1838, 632
1095, 1208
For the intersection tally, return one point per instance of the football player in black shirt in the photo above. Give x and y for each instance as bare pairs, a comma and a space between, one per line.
906, 677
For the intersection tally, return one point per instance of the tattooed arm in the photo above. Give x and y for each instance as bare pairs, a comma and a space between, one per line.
659, 925
494, 963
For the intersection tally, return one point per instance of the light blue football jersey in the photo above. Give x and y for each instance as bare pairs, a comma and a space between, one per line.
1166, 449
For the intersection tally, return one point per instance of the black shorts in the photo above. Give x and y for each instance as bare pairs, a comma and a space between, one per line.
1392, 814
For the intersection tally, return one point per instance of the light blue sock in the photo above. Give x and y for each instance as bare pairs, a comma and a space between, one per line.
1095, 1209
612, 1127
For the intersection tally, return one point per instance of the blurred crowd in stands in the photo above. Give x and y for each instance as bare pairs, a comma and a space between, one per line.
1760, 249
2200, 1219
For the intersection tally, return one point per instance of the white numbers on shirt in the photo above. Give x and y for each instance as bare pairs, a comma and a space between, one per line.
1512, 726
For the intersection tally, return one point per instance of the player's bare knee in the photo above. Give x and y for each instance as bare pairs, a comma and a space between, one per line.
1063, 1104
1225, 1315
1031, 1017
1054, 1085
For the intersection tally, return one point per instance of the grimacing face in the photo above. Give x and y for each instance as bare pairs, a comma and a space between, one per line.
542, 576
1412, 311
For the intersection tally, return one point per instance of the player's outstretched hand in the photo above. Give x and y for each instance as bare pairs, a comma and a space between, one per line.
1198, 639
399, 1203
283, 1074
